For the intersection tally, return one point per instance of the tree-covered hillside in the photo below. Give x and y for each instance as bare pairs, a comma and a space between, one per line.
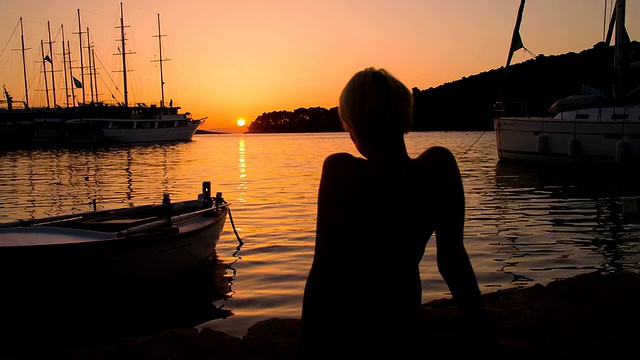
467, 104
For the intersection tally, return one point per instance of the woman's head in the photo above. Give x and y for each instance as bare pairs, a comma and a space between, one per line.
374, 104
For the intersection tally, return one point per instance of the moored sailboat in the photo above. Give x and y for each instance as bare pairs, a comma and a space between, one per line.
599, 127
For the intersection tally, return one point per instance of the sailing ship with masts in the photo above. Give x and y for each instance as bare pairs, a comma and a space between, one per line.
94, 120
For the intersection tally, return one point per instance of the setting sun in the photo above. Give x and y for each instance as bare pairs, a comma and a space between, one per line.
286, 75
241, 122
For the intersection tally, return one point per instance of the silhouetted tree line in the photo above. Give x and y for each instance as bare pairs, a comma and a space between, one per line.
315, 119
467, 104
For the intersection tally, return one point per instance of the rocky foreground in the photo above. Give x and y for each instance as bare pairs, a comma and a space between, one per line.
590, 316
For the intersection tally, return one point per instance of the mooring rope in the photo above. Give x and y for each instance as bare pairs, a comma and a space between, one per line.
233, 226
469, 148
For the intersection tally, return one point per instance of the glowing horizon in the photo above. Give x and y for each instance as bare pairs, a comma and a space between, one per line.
229, 60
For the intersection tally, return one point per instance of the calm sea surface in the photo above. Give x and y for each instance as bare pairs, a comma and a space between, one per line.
524, 225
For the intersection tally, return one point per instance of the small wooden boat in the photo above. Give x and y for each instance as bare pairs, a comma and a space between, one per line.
129, 247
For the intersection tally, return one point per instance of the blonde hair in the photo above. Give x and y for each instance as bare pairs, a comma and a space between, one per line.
375, 103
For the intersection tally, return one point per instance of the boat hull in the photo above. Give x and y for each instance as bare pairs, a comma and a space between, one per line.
184, 133
39, 256
104, 275
598, 135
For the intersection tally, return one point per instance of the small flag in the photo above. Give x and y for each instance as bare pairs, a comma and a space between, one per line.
77, 82
47, 58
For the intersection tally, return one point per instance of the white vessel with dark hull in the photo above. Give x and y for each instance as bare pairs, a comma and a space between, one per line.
96, 121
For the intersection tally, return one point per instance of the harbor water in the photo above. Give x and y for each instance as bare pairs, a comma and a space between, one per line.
524, 225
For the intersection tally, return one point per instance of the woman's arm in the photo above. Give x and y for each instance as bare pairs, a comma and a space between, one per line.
453, 261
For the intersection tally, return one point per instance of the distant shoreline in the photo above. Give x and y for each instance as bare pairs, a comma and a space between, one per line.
199, 132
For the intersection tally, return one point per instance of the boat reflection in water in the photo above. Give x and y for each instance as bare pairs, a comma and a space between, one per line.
553, 218
567, 180
48, 317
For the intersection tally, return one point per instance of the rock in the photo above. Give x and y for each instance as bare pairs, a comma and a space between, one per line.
185, 343
271, 339
590, 316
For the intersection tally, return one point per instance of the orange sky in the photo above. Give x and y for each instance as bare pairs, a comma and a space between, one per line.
238, 59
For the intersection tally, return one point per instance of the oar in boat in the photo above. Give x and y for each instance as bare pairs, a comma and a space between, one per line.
162, 222
26, 223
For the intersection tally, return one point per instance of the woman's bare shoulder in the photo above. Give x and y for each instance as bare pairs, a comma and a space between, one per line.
338, 170
438, 154
437, 157
339, 160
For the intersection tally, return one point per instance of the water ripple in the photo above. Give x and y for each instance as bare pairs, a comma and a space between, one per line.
524, 225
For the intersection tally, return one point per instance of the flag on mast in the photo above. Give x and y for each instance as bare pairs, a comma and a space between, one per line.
77, 82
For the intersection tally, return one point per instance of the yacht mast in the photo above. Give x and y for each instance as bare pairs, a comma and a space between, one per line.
74, 81
50, 58
92, 54
44, 69
24, 66
622, 41
91, 69
124, 60
64, 67
81, 62
160, 60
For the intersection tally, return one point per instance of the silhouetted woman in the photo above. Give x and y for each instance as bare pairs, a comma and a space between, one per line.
374, 217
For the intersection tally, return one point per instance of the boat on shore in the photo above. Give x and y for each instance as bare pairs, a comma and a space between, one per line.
113, 249
599, 126
92, 278
95, 121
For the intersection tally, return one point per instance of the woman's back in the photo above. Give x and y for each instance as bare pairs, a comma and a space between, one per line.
369, 288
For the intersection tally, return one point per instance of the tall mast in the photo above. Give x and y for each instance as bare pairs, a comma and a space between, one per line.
81, 63
516, 44
622, 41
53, 78
160, 60
90, 66
24, 66
44, 68
73, 91
64, 67
95, 70
516, 39
124, 60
